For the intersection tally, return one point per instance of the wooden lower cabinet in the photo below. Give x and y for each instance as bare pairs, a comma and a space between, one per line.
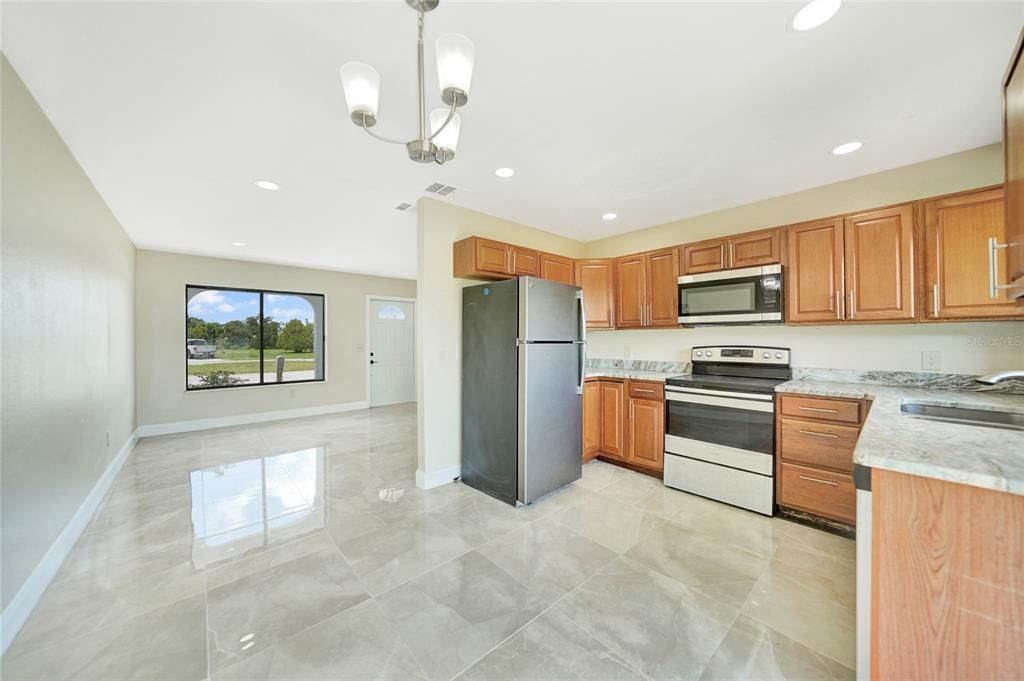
947, 580
645, 442
613, 419
624, 422
591, 418
814, 441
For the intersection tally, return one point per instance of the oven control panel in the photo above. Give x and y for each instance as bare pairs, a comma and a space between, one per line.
745, 354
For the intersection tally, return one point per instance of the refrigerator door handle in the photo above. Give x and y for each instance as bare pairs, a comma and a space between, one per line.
582, 343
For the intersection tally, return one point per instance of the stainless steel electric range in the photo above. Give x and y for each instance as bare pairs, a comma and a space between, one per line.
720, 424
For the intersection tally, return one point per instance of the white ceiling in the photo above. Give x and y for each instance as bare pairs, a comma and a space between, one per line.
654, 111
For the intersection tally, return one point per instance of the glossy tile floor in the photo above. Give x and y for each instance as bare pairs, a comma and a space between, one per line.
303, 550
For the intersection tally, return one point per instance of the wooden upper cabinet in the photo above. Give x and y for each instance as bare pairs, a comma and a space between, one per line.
704, 256
525, 262
1013, 154
879, 248
597, 279
613, 418
957, 233
763, 247
591, 419
663, 287
646, 293
556, 268
814, 277
756, 248
630, 298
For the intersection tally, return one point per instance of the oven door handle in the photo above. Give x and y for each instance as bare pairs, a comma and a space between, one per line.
762, 397
757, 404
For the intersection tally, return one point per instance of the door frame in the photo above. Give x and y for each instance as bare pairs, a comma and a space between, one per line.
366, 346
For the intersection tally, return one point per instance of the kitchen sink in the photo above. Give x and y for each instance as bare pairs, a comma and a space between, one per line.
972, 417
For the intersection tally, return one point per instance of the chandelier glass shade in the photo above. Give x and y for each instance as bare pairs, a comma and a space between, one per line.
438, 136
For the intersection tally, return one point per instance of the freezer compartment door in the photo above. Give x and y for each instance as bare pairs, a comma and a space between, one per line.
550, 418
549, 311
489, 356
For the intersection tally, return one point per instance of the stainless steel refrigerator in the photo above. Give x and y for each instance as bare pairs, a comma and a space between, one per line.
523, 356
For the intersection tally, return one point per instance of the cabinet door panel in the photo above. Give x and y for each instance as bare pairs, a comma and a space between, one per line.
492, 256
663, 288
591, 419
556, 268
597, 279
646, 433
1013, 155
613, 419
957, 230
525, 262
756, 248
880, 264
630, 278
814, 278
705, 256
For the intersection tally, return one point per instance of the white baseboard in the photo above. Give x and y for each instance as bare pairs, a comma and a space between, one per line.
17, 611
242, 419
437, 478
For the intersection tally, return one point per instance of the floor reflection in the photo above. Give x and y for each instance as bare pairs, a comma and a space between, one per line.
247, 505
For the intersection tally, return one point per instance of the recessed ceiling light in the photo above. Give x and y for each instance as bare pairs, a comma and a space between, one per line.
847, 148
267, 184
504, 172
815, 13
609, 216
237, 243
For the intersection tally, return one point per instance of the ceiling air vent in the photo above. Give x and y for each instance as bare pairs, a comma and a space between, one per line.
440, 189
403, 206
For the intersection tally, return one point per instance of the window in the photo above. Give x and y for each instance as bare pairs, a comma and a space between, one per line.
237, 337
390, 312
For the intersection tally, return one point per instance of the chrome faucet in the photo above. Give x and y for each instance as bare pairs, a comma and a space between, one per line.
992, 379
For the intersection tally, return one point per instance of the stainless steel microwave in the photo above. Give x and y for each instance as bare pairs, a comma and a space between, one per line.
752, 295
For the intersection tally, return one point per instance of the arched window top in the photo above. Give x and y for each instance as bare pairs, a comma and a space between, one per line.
390, 312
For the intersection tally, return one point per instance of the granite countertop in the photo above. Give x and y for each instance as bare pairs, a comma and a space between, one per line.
992, 458
634, 374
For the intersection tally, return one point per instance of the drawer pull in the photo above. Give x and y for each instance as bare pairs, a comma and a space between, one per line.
823, 411
642, 390
811, 432
823, 482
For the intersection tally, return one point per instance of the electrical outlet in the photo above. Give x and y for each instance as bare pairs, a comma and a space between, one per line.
627, 352
931, 360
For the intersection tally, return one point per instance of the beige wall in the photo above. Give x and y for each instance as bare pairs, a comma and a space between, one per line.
68, 347
159, 315
439, 336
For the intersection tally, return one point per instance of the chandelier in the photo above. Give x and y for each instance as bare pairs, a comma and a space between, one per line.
455, 55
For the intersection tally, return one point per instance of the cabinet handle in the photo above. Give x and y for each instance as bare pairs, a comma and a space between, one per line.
993, 285
935, 300
648, 314
508, 261
823, 411
642, 390
853, 306
812, 432
839, 312
513, 262
823, 482
730, 255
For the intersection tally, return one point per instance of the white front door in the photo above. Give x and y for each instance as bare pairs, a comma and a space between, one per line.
392, 372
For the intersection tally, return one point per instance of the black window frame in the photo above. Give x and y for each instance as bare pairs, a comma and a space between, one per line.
260, 292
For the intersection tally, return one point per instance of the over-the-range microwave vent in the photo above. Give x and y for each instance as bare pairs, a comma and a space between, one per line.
403, 206
441, 189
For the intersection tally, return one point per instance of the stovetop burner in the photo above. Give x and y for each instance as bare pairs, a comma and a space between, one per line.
736, 368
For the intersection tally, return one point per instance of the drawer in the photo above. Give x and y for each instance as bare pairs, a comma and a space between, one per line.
818, 491
647, 390
818, 444
822, 408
